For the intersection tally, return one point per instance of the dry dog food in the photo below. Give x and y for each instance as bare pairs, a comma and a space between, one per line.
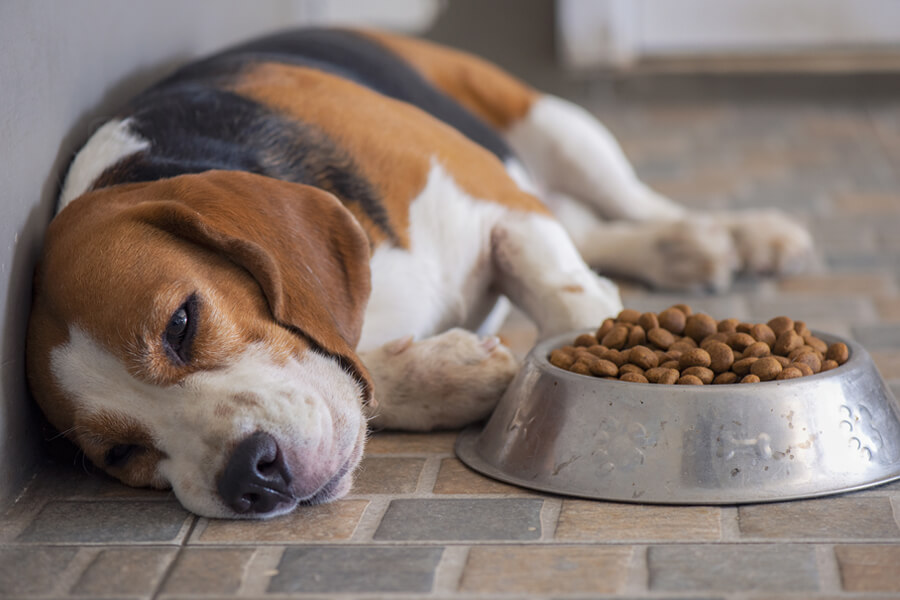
678, 346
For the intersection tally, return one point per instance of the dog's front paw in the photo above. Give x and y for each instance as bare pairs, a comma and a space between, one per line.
769, 242
442, 382
693, 254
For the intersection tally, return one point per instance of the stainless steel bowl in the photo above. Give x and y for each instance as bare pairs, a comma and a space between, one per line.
575, 435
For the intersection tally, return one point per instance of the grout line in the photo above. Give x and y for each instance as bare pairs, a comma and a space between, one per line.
730, 524
260, 569
449, 572
829, 571
637, 578
549, 517
81, 562
428, 477
171, 566
370, 520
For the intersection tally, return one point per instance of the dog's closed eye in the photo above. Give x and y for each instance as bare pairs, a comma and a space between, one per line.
179, 333
119, 454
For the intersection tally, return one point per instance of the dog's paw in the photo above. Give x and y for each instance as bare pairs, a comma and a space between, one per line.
769, 242
692, 254
441, 382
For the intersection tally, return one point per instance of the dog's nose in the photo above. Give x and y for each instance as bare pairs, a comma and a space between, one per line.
256, 478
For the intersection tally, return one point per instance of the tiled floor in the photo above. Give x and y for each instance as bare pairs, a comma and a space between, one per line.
419, 524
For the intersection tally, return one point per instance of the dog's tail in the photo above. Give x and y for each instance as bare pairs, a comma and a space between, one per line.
488, 91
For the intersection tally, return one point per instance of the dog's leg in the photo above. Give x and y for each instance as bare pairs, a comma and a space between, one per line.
442, 382
539, 269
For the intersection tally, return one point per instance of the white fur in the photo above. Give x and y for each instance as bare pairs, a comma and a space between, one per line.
308, 404
109, 144
442, 280
567, 150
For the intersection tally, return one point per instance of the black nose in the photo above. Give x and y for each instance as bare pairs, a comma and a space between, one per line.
256, 477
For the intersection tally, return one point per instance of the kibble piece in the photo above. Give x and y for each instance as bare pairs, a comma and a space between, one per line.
804, 368
838, 352
604, 368
586, 339
630, 368
687, 310
790, 373
829, 364
636, 337
721, 357
815, 343
784, 361
801, 328
757, 349
614, 356
581, 368
751, 378
698, 326
781, 324
669, 364
744, 327
726, 377
702, 373
739, 341
793, 354
683, 345
766, 368
605, 328
742, 367
719, 336
661, 338
597, 350
616, 338
727, 325
811, 359
696, 357
633, 377
787, 341
673, 320
648, 321
629, 315
656, 373
562, 359
669, 377
689, 380
763, 333
643, 357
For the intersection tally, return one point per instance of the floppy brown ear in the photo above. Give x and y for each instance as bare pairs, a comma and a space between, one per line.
304, 248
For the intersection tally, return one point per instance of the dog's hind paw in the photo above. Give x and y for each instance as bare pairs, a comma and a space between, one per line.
442, 382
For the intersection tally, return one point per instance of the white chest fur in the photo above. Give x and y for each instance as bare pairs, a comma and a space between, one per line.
442, 279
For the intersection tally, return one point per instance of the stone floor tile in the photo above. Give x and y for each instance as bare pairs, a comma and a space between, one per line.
455, 478
32, 570
869, 567
859, 283
356, 569
826, 518
885, 203
66, 482
888, 363
321, 523
880, 336
584, 521
107, 522
814, 308
889, 308
719, 307
208, 571
732, 568
546, 570
387, 475
124, 572
462, 519
393, 442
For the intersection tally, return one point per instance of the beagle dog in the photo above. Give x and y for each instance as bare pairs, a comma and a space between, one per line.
301, 235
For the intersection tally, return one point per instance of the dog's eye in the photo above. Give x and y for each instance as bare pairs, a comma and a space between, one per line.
180, 330
119, 454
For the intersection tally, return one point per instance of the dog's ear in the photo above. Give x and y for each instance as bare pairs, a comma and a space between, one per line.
304, 248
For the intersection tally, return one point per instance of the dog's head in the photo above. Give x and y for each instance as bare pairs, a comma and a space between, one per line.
198, 332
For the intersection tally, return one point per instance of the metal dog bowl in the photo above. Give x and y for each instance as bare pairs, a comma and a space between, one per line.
570, 434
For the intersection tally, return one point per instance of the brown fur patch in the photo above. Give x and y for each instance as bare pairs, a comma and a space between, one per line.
483, 88
393, 143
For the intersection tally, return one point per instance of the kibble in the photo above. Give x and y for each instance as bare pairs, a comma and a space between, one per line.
679, 346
